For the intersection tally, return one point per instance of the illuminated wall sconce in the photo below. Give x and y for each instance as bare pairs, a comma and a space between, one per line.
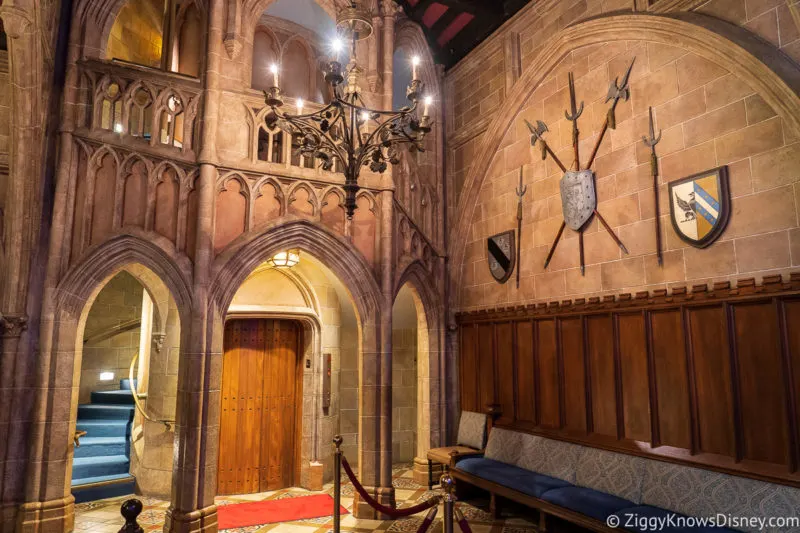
106, 376
285, 259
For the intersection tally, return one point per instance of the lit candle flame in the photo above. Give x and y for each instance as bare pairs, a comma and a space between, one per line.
414, 65
299, 106
274, 69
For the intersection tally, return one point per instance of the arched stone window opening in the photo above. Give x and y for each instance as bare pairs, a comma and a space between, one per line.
140, 114
111, 110
298, 159
271, 144
162, 34
265, 53
171, 127
133, 316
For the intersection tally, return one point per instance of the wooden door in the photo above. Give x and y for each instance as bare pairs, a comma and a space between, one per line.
261, 395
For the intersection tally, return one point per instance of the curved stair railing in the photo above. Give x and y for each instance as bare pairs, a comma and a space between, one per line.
137, 397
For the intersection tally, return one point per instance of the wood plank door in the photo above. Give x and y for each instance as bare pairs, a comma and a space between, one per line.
261, 392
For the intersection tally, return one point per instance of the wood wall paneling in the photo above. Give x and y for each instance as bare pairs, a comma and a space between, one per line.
673, 417
505, 371
634, 376
470, 396
486, 365
524, 386
712, 370
709, 378
762, 398
549, 379
572, 355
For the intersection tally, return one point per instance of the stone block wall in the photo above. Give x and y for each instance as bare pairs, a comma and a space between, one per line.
404, 394
118, 303
709, 117
136, 33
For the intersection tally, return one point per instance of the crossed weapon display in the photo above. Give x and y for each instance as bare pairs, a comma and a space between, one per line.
616, 92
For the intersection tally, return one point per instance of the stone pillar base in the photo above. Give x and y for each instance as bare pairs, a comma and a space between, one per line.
197, 521
53, 516
311, 476
420, 471
363, 510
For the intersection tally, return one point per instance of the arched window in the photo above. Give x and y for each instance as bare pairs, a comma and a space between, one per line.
137, 33
297, 71
162, 34
264, 55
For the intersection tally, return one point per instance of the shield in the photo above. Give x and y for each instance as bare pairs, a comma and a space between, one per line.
699, 206
501, 254
578, 198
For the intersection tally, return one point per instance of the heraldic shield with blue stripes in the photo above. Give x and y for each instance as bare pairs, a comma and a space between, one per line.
698, 206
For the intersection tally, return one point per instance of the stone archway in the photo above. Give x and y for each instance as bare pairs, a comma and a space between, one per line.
772, 75
49, 503
349, 266
431, 401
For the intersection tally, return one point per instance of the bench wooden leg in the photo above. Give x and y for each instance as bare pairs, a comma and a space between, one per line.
430, 474
494, 506
542, 521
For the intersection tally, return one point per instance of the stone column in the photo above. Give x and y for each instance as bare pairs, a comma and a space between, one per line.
34, 395
194, 479
386, 491
389, 11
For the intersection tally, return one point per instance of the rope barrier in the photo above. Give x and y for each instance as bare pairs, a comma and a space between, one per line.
462, 521
389, 511
426, 523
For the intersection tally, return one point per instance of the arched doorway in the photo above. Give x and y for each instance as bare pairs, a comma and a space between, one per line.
289, 378
126, 367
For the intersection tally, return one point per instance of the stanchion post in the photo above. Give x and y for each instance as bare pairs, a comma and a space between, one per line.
130, 510
448, 484
337, 483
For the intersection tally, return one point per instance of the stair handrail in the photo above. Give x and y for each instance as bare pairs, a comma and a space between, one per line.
136, 396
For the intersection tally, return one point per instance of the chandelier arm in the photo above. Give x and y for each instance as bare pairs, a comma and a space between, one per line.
408, 111
307, 127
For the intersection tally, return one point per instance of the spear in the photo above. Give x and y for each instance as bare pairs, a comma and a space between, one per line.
521, 190
651, 142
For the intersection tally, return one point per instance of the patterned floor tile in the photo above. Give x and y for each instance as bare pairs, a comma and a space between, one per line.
103, 516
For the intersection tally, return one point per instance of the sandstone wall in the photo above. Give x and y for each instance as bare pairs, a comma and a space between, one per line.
118, 303
709, 116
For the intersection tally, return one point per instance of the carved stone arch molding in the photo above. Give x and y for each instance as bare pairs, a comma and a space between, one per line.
768, 72
48, 478
431, 369
247, 252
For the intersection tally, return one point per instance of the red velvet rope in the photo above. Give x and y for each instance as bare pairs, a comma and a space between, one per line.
462, 522
393, 513
426, 523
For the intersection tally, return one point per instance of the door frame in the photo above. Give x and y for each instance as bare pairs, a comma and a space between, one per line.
310, 348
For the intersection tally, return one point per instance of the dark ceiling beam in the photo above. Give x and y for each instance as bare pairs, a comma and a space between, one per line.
444, 21
418, 10
471, 36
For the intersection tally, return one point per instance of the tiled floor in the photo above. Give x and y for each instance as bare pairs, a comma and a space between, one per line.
103, 516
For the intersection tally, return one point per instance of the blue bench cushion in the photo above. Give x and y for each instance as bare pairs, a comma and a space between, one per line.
586, 501
646, 518
510, 476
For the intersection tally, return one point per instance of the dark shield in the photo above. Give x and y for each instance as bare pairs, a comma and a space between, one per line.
501, 254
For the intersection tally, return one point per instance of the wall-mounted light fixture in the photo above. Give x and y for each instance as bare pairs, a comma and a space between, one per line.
285, 259
106, 376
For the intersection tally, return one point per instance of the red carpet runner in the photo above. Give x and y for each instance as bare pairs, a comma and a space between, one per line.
273, 511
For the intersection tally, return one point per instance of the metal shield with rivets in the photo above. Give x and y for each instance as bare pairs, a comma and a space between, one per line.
578, 197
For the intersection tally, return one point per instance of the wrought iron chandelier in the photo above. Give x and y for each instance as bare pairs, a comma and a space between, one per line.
346, 130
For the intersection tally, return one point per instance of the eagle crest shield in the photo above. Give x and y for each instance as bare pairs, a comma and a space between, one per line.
501, 255
699, 206
578, 197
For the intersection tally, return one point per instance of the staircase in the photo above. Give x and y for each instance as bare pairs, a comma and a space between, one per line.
101, 464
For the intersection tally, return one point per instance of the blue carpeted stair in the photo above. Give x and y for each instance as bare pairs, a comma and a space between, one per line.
101, 464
